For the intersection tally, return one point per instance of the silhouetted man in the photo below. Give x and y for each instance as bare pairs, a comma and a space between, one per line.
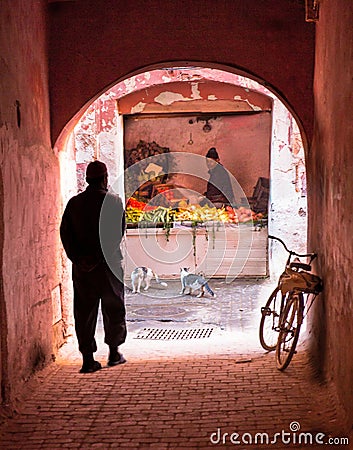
91, 230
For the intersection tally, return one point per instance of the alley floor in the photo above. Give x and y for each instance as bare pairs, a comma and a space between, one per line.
213, 390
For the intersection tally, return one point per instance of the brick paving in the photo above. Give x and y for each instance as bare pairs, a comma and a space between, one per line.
172, 403
197, 394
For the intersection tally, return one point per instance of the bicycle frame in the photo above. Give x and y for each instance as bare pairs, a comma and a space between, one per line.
290, 264
272, 312
291, 253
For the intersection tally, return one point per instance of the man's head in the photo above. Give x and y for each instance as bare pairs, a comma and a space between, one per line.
96, 173
212, 154
212, 157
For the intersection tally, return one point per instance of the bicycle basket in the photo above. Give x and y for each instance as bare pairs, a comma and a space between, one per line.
306, 282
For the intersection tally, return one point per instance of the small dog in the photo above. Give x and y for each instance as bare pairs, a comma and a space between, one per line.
194, 282
143, 276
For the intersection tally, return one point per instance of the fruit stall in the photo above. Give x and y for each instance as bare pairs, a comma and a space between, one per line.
218, 242
167, 228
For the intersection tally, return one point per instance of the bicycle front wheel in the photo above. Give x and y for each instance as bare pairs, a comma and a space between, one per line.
289, 329
269, 323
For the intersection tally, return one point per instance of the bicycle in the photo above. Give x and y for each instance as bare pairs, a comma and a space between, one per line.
283, 314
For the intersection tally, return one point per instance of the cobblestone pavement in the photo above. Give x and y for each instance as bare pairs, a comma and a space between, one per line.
214, 392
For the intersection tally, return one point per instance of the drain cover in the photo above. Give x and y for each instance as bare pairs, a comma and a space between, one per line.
170, 334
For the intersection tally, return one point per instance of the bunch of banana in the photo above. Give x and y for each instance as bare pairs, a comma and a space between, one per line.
184, 215
209, 214
133, 215
223, 216
167, 215
203, 214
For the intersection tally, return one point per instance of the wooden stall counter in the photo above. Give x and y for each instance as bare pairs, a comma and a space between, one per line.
216, 250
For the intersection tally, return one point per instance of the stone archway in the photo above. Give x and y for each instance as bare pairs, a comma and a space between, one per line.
98, 134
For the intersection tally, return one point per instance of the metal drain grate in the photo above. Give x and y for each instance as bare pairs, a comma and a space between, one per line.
170, 334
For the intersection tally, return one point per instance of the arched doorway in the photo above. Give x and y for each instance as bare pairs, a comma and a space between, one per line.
99, 134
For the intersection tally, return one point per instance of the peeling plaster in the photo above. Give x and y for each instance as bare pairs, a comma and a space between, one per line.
138, 108
168, 98
130, 83
253, 107
212, 97
195, 93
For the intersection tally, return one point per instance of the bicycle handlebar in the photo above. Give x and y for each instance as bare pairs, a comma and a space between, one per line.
291, 252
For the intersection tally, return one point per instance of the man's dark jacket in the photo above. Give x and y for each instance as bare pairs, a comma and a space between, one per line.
92, 227
219, 187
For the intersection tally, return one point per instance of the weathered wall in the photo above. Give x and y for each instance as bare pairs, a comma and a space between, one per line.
265, 37
194, 95
98, 131
29, 195
242, 142
331, 194
96, 42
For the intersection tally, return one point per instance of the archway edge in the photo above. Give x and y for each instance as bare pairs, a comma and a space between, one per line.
173, 65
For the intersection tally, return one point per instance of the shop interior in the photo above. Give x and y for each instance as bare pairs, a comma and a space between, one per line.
157, 150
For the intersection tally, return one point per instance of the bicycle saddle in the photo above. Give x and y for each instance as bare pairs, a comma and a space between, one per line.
299, 265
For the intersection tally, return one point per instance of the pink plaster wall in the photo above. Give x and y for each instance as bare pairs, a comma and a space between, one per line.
267, 38
30, 196
96, 43
242, 142
330, 186
160, 92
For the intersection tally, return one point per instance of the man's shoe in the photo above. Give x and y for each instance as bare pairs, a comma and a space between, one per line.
116, 359
90, 367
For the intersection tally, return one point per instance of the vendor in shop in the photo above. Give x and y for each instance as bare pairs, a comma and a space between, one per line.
219, 188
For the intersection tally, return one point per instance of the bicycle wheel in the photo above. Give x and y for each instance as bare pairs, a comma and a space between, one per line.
290, 324
268, 331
